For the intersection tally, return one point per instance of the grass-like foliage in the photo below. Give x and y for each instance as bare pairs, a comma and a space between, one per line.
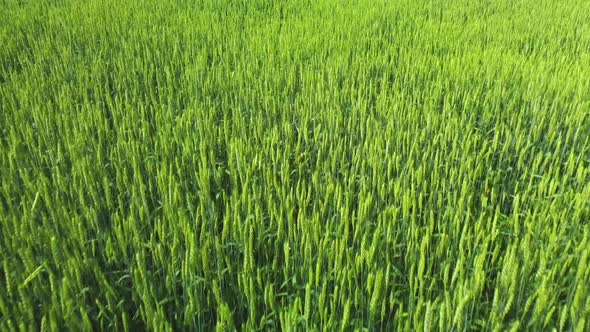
288, 165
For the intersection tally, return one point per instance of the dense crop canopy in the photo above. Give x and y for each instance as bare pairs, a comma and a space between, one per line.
329, 165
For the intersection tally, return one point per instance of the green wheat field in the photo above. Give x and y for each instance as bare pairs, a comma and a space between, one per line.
292, 165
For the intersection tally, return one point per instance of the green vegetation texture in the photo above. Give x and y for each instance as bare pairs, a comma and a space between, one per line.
289, 165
